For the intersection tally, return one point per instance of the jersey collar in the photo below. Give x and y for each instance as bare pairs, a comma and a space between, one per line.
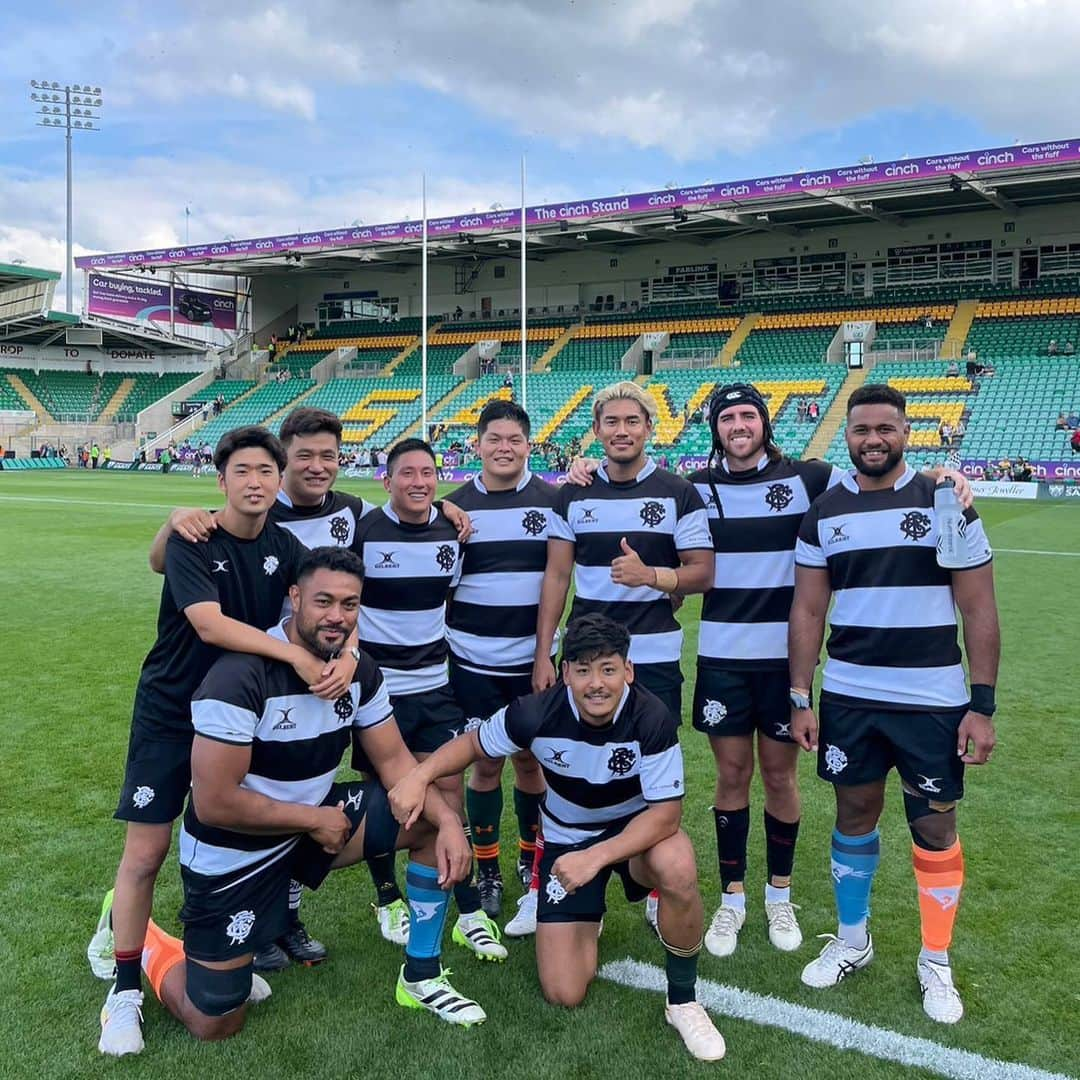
388, 510
618, 711
905, 478
646, 470
286, 501
279, 630
761, 466
522, 483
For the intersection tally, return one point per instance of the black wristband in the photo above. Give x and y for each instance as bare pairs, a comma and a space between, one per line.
982, 699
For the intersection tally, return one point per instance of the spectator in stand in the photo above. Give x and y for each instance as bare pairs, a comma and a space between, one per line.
953, 370
959, 431
1021, 470
382, 457
1074, 442
373, 458
1069, 348
800, 410
1052, 349
945, 433
1060, 424
813, 411
1072, 421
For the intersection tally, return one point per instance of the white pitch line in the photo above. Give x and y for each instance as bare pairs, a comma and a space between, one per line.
109, 503
1031, 551
825, 1027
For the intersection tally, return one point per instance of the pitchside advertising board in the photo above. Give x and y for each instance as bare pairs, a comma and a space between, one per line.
123, 298
883, 173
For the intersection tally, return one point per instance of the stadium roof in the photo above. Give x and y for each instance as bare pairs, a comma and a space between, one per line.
25, 292
1008, 179
52, 329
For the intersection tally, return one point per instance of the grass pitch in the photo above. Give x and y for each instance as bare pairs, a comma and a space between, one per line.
78, 617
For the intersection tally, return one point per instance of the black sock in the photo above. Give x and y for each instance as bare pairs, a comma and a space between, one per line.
732, 829
780, 837
681, 977
129, 970
382, 874
421, 967
466, 894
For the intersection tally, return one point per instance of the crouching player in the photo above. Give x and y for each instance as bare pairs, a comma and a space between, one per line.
611, 760
264, 807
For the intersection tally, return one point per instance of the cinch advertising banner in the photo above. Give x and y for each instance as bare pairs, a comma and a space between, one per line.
583, 211
123, 298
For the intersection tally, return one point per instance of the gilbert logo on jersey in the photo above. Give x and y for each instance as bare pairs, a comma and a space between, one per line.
588, 516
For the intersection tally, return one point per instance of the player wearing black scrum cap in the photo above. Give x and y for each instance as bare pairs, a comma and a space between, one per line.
756, 498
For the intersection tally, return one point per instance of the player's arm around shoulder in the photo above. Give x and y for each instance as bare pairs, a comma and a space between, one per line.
408, 793
190, 523
553, 592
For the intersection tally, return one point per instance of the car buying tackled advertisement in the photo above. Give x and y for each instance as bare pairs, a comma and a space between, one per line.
125, 298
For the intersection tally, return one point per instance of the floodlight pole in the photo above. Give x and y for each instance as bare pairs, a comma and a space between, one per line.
524, 349
423, 309
55, 112
68, 268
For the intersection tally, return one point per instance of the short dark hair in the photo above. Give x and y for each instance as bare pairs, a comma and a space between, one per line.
406, 446
877, 394
244, 438
305, 421
591, 636
340, 560
500, 409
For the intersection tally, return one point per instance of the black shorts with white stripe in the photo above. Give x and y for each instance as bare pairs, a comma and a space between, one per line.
860, 743
587, 904
230, 915
742, 702
480, 694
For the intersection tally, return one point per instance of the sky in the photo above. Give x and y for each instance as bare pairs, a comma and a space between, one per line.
268, 118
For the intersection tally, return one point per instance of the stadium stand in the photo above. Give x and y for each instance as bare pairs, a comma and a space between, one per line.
270, 398
146, 390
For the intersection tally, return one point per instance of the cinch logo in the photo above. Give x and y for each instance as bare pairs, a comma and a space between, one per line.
262, 245
176, 253
313, 239
414, 228
735, 189
1004, 158
97, 260
361, 234
219, 249
470, 222
815, 181
662, 200
910, 169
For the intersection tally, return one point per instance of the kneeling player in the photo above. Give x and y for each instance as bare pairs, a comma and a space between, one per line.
265, 808
611, 759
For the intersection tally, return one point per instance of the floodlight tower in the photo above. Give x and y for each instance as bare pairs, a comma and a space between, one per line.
68, 109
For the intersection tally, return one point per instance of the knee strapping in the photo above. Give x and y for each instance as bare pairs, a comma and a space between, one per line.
217, 991
930, 834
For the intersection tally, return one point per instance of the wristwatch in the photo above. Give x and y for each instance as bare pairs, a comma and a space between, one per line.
798, 699
354, 652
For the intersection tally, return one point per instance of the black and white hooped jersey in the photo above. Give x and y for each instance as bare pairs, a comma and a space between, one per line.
597, 778
660, 514
893, 638
409, 571
250, 581
491, 624
296, 741
330, 524
744, 616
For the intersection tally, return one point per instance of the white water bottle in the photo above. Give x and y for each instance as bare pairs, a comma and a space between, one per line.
950, 523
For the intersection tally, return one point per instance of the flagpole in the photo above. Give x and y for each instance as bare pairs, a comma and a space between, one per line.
423, 309
524, 391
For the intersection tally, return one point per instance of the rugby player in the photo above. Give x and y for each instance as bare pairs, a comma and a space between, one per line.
893, 688
411, 558
218, 595
317, 515
633, 539
265, 807
491, 627
610, 754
